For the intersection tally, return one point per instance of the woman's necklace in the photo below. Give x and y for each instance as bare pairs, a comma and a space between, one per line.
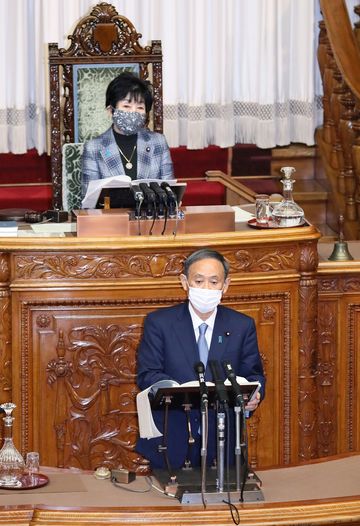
128, 164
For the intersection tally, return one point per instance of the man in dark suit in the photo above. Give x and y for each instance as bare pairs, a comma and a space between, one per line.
169, 350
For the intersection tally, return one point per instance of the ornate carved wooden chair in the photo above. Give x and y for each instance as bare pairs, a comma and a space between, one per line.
103, 44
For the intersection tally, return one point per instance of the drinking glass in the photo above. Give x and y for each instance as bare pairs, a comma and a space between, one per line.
32, 465
262, 209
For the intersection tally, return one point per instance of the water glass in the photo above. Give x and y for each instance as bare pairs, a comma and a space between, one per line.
32, 464
262, 209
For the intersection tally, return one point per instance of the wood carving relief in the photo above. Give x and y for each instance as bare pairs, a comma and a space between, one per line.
93, 425
262, 259
5, 330
308, 353
339, 284
352, 392
80, 266
326, 379
90, 39
84, 267
338, 368
273, 320
55, 136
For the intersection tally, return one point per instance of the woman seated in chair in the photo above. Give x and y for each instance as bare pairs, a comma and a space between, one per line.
127, 147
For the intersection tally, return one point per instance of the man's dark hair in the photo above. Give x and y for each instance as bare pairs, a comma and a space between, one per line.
205, 253
128, 83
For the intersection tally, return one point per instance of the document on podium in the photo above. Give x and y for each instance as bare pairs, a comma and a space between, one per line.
95, 186
147, 427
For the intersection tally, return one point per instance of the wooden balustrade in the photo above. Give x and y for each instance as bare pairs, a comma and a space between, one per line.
339, 61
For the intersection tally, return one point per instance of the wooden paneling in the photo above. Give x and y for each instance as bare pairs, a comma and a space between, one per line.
77, 308
338, 367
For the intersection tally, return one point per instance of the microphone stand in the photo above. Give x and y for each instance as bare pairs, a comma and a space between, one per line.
191, 440
220, 418
163, 447
238, 410
203, 451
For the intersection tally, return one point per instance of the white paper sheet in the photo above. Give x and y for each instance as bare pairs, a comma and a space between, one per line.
94, 188
53, 228
242, 215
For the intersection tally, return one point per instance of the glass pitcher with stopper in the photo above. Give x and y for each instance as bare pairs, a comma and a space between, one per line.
287, 213
12, 465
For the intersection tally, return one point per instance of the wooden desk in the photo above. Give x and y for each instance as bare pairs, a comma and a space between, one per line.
320, 493
71, 318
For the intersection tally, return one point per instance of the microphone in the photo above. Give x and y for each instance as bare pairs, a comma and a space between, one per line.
171, 198
138, 194
220, 388
200, 370
235, 386
161, 197
149, 199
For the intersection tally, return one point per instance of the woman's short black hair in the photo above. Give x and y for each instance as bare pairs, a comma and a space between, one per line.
205, 253
128, 83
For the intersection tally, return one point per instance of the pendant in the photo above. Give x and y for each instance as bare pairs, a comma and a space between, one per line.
128, 166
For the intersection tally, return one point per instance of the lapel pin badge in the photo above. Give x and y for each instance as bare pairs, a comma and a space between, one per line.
220, 339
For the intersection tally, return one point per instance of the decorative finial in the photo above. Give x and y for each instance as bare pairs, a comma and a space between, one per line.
287, 171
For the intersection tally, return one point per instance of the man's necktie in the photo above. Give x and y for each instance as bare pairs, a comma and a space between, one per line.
202, 344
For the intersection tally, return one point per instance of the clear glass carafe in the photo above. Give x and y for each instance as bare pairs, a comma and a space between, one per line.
12, 465
287, 213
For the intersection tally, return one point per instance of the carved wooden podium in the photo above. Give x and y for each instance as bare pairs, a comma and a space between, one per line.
71, 318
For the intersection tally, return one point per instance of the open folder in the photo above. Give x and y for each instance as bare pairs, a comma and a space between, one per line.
95, 186
147, 427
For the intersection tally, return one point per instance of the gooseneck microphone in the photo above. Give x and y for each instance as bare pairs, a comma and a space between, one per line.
232, 379
138, 194
171, 199
161, 198
150, 199
200, 371
220, 388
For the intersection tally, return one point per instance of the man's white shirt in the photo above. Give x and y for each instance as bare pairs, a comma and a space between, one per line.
197, 321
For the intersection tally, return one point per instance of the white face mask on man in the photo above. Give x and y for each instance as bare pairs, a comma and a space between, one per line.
204, 300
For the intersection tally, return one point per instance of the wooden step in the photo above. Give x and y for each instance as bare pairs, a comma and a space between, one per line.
312, 197
309, 190
301, 157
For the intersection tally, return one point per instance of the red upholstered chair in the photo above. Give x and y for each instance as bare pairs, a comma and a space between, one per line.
191, 165
25, 183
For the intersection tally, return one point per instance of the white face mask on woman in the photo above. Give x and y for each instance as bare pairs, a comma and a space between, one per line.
204, 300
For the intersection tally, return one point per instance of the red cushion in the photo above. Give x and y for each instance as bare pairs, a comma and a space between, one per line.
194, 163
37, 198
203, 193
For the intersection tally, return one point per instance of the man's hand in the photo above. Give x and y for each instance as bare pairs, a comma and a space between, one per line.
252, 404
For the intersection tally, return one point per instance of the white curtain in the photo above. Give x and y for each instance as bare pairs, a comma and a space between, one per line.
234, 70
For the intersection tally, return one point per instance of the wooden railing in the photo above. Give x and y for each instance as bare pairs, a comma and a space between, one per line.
242, 192
339, 138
